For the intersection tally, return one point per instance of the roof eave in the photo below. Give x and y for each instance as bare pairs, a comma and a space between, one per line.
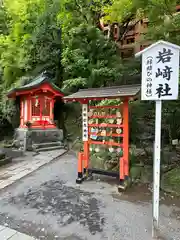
23, 88
100, 98
13, 92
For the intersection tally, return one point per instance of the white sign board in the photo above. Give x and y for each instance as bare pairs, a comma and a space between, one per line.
160, 72
85, 122
160, 81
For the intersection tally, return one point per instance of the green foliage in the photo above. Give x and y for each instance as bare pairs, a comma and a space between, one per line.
89, 59
170, 181
170, 119
119, 10
109, 102
164, 23
4, 20
155, 10
58, 36
46, 42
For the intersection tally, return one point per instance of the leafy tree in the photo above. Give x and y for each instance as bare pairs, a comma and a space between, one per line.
122, 13
14, 50
61, 37
89, 59
119, 10
4, 20
78, 12
164, 22
36, 32
46, 43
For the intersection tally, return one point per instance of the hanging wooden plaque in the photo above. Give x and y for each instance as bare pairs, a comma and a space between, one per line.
103, 113
119, 120
97, 149
90, 121
111, 121
111, 149
118, 114
90, 113
119, 130
103, 133
119, 150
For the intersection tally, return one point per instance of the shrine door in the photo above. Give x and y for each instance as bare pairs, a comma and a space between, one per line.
41, 109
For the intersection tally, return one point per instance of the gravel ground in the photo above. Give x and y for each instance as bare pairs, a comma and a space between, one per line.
49, 205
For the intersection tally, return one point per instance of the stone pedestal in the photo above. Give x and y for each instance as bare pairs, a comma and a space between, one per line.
37, 136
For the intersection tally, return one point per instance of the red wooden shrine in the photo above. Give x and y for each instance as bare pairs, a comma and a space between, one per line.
37, 102
124, 93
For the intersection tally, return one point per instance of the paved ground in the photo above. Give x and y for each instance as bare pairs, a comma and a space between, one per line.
49, 205
10, 234
24, 165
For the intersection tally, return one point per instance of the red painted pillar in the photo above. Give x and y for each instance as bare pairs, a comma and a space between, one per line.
52, 109
21, 112
121, 169
29, 108
86, 156
126, 137
41, 102
85, 134
80, 168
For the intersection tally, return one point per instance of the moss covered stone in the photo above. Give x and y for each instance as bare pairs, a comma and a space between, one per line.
171, 181
135, 172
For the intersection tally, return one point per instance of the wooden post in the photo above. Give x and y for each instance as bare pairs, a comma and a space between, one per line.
126, 137
85, 135
29, 107
40, 106
80, 168
86, 157
21, 113
51, 110
121, 169
156, 170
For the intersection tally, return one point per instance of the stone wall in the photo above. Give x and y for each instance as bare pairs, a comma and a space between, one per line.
37, 136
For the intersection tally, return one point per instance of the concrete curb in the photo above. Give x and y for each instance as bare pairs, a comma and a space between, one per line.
9, 233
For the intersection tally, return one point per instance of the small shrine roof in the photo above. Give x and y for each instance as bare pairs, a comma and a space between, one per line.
38, 80
36, 83
105, 92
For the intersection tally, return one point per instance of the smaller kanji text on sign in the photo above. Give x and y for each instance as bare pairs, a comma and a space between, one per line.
160, 73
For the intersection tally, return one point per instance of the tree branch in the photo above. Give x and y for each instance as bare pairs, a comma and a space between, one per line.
79, 8
167, 8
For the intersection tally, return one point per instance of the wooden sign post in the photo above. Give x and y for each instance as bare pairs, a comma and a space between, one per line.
160, 81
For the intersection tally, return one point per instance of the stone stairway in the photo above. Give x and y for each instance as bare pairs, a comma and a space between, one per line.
48, 146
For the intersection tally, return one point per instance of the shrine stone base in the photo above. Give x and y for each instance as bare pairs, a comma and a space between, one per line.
37, 136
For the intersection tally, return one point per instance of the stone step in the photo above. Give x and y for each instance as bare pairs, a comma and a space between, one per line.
47, 144
2, 155
50, 148
5, 161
